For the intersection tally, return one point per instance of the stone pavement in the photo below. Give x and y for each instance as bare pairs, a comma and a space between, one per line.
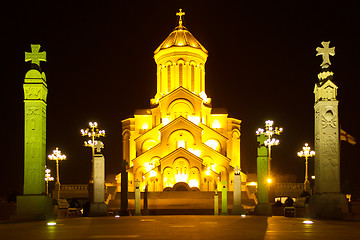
182, 227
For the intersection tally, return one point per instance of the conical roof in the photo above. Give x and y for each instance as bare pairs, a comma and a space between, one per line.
180, 37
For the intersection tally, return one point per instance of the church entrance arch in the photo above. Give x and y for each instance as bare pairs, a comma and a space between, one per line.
181, 186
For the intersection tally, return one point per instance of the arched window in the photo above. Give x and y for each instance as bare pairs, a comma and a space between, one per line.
192, 78
214, 144
148, 144
180, 74
181, 143
161, 80
126, 146
201, 80
169, 78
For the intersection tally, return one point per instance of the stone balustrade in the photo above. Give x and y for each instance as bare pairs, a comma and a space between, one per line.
74, 191
289, 189
74, 187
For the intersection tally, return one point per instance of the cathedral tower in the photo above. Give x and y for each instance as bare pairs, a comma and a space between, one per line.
180, 62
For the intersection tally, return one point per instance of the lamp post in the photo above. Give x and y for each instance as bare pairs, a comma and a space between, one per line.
48, 178
270, 141
93, 133
306, 153
57, 156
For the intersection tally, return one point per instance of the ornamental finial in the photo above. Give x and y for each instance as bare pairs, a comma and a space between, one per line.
35, 56
325, 52
180, 14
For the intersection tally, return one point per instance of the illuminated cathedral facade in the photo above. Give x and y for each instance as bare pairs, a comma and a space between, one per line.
181, 141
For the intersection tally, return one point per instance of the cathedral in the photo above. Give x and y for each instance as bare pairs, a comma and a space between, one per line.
180, 142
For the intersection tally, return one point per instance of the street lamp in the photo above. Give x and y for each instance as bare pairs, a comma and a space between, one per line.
306, 153
57, 156
48, 178
270, 141
93, 133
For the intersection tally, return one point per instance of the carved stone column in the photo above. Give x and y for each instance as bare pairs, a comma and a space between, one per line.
327, 202
34, 204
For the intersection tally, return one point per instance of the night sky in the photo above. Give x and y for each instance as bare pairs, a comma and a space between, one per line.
100, 67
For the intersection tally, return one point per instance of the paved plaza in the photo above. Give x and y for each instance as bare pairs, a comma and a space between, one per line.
182, 227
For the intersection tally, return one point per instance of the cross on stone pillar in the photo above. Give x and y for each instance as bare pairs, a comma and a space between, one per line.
34, 204
325, 52
216, 203
237, 209
263, 207
98, 146
261, 139
224, 210
35, 56
137, 198
237, 170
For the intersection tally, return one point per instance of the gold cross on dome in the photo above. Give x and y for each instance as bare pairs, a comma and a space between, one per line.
325, 52
180, 14
35, 56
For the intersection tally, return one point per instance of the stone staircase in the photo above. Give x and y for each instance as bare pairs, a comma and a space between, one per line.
182, 202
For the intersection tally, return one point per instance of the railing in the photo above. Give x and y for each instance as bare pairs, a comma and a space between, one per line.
74, 187
289, 189
74, 191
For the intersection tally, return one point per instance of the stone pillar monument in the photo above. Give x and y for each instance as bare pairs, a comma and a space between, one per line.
263, 207
237, 209
98, 207
224, 210
137, 198
327, 202
34, 204
216, 202
124, 190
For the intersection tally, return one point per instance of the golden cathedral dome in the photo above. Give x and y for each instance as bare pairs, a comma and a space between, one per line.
180, 37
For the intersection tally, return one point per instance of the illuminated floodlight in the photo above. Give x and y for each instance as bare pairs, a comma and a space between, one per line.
306, 153
93, 133
269, 180
243, 215
308, 222
117, 216
57, 156
48, 178
51, 223
269, 131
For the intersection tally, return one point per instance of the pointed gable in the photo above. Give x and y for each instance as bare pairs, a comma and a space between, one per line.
325, 91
